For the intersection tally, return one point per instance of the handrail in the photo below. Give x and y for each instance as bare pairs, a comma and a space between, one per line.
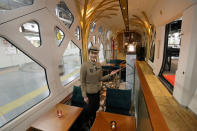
157, 120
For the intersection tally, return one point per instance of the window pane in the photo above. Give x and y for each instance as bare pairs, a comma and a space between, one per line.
59, 36
98, 40
89, 45
77, 32
13, 4
31, 32
101, 30
93, 26
94, 39
23, 82
64, 14
70, 64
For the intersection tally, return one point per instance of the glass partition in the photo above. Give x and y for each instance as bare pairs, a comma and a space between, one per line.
143, 121
139, 108
70, 64
23, 82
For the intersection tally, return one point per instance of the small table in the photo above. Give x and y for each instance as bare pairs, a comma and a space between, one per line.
103, 120
50, 122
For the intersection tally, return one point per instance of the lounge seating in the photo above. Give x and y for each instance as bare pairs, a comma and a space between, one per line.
118, 101
77, 99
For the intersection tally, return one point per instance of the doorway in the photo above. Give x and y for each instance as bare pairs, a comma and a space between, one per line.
172, 43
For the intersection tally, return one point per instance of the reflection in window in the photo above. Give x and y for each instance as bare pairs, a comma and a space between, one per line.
101, 54
70, 64
59, 36
13, 4
77, 32
89, 45
23, 82
64, 14
93, 26
31, 32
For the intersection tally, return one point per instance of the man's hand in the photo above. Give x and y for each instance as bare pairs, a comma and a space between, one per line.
85, 99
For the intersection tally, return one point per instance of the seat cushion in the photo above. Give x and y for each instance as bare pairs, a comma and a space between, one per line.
77, 99
117, 99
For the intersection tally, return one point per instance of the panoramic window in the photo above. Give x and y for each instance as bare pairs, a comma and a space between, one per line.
31, 32
59, 36
77, 32
64, 14
70, 64
101, 54
13, 4
23, 82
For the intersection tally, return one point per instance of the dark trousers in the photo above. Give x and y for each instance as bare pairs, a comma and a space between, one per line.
93, 105
88, 113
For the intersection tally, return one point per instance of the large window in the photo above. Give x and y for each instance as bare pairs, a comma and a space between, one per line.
64, 14
13, 4
31, 32
70, 64
23, 82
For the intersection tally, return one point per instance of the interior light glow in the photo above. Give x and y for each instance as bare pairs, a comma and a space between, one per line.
131, 48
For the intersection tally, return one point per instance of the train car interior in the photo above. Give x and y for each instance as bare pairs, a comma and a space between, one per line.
98, 65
